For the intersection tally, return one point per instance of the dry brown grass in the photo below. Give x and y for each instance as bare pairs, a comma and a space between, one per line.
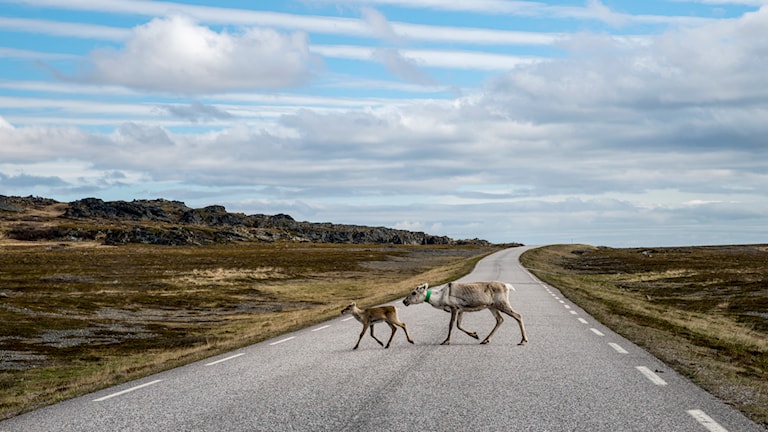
80, 317
703, 311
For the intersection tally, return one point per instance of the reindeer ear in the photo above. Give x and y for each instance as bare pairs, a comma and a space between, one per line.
353, 304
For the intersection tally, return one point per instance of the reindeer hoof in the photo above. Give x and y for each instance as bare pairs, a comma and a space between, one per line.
474, 335
523, 342
446, 342
410, 341
485, 342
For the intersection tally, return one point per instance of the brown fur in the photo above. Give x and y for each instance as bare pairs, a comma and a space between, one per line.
373, 315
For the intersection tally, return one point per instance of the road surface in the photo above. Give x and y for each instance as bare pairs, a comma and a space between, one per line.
573, 375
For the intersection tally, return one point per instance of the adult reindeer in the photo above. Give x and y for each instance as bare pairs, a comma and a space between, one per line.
460, 297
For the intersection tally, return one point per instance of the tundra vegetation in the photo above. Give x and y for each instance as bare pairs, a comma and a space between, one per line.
80, 315
701, 310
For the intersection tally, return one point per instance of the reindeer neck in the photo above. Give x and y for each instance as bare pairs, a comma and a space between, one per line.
358, 314
433, 295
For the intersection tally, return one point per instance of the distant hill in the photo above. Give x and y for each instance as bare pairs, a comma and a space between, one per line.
167, 222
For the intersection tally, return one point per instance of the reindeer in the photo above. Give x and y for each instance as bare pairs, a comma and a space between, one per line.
460, 297
373, 315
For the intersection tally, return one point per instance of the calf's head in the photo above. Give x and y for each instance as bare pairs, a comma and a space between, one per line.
349, 308
416, 296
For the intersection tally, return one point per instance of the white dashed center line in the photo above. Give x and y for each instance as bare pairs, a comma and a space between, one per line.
224, 359
282, 340
126, 391
706, 421
583, 321
320, 328
618, 348
651, 375
597, 332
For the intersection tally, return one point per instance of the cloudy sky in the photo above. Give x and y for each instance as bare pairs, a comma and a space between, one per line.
608, 122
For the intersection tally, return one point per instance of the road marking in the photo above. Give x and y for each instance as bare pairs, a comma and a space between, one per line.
573, 312
651, 375
347, 319
224, 359
126, 391
282, 340
597, 332
618, 348
320, 328
583, 321
567, 307
706, 421
561, 301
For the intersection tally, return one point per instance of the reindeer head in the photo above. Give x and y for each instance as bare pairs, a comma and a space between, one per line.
349, 308
417, 296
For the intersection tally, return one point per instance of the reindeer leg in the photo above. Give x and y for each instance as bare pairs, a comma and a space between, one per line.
447, 340
458, 325
519, 318
499, 320
392, 336
362, 333
405, 329
377, 340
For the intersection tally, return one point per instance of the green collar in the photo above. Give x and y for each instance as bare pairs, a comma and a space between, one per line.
429, 293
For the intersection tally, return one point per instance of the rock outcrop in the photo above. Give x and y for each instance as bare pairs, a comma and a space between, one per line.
173, 223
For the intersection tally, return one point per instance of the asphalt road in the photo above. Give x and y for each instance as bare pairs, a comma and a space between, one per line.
573, 375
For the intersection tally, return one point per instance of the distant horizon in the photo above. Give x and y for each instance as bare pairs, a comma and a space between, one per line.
389, 227
603, 122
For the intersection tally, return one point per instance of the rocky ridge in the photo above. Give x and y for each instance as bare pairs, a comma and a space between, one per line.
168, 222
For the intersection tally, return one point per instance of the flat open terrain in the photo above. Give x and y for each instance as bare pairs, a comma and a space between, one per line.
80, 316
701, 310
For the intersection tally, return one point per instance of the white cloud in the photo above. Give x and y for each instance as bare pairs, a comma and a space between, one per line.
59, 28
4, 124
33, 55
402, 67
623, 140
380, 26
177, 55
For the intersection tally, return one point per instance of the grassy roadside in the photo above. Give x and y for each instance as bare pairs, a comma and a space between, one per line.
701, 310
80, 317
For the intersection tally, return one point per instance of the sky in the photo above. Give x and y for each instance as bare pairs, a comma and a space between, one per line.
606, 122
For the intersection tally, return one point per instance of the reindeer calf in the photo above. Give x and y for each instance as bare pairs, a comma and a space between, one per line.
373, 315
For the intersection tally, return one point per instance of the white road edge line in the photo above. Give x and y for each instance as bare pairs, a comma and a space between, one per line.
126, 391
618, 348
282, 340
347, 319
597, 332
224, 359
706, 421
651, 376
320, 328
